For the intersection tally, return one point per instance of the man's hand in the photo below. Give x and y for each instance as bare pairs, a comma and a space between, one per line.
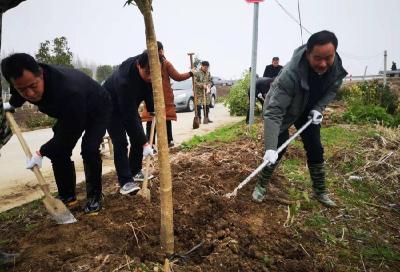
192, 72
316, 117
36, 159
8, 107
147, 150
271, 156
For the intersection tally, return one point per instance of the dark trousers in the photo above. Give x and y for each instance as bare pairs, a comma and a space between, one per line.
207, 112
311, 138
63, 167
169, 131
248, 109
126, 165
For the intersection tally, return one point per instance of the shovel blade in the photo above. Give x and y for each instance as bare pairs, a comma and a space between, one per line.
58, 211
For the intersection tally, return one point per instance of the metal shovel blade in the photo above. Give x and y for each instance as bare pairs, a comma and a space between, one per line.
58, 210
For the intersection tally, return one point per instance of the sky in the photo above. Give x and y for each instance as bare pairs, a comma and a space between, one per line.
219, 31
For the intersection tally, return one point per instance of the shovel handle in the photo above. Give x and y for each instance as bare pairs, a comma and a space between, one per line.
196, 114
266, 163
15, 128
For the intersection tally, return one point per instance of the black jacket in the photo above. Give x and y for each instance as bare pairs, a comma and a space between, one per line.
272, 71
127, 91
73, 98
262, 86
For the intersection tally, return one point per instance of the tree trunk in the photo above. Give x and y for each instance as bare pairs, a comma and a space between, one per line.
167, 229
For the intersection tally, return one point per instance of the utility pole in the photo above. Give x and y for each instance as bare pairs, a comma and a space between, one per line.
253, 60
384, 68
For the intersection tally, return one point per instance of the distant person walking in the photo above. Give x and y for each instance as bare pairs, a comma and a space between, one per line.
273, 69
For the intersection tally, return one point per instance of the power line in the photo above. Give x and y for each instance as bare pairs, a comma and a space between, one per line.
347, 55
301, 30
292, 17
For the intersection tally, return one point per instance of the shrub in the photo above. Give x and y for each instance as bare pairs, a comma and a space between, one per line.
39, 121
371, 102
237, 100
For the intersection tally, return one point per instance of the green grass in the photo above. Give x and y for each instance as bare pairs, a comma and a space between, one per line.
380, 251
224, 134
295, 170
317, 221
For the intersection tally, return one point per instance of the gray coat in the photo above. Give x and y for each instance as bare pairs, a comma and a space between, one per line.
289, 94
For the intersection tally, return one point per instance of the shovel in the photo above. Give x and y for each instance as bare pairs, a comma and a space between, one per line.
196, 119
55, 207
145, 191
266, 163
205, 120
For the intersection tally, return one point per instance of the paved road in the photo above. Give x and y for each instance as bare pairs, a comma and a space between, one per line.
18, 185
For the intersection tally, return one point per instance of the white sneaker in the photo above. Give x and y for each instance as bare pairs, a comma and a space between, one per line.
140, 176
129, 187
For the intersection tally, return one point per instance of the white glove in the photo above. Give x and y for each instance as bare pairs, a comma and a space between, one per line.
316, 117
271, 156
36, 159
8, 107
147, 150
260, 95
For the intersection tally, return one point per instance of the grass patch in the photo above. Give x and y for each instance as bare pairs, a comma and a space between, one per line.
224, 134
317, 221
294, 170
379, 252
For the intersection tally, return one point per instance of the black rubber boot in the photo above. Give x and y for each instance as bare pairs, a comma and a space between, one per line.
260, 190
199, 112
317, 174
208, 114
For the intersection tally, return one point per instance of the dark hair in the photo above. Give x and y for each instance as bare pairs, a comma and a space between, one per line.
275, 58
205, 63
321, 38
14, 65
143, 60
160, 46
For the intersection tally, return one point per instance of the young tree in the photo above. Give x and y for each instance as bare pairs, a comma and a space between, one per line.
57, 53
167, 227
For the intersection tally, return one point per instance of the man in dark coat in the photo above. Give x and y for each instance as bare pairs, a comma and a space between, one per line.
273, 69
5, 135
301, 92
129, 86
79, 104
262, 88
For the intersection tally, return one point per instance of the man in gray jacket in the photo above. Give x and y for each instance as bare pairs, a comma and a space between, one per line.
301, 92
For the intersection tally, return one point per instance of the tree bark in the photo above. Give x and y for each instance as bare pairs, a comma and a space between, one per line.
166, 229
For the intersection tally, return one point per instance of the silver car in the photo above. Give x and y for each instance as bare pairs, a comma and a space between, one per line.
183, 95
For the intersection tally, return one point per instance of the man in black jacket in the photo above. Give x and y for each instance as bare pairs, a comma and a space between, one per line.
129, 86
262, 88
273, 69
79, 104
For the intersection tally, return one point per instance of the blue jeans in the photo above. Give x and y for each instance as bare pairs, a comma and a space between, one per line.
126, 165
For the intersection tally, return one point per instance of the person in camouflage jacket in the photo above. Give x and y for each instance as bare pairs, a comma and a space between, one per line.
202, 82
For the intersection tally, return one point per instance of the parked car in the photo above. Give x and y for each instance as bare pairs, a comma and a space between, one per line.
184, 98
